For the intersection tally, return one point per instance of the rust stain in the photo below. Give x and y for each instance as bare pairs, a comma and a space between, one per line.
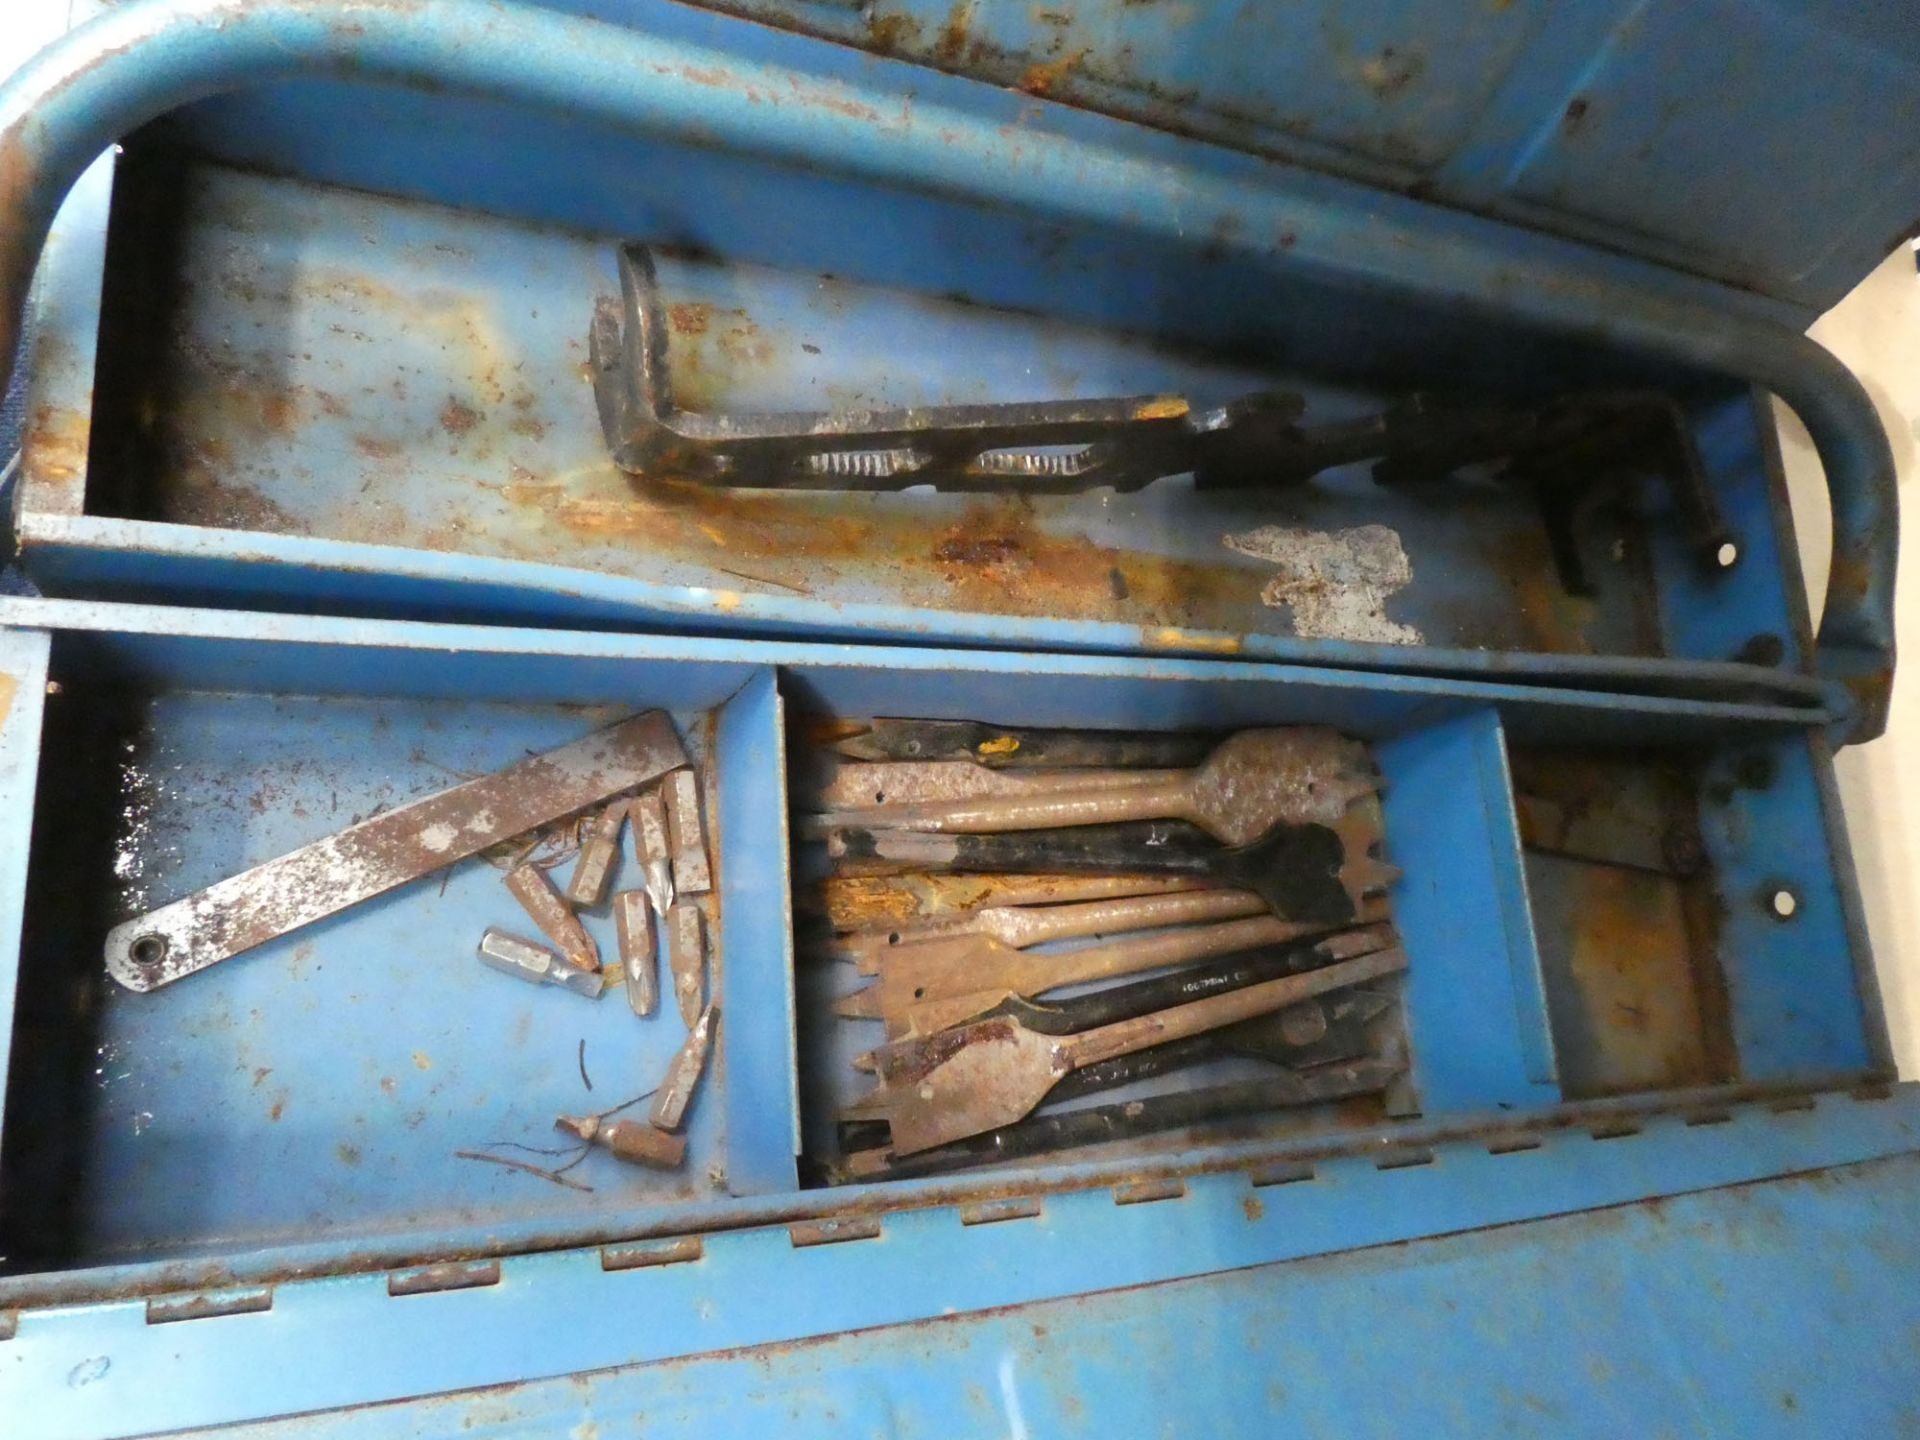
1161, 407
690, 317
893, 31
53, 456
993, 558
952, 44
1632, 963
1044, 77
1169, 638
1542, 615
528, 427
457, 418
1252, 1206
375, 449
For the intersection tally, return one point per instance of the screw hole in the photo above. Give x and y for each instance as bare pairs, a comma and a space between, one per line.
913, 747
148, 950
1783, 904
893, 938
1727, 556
879, 797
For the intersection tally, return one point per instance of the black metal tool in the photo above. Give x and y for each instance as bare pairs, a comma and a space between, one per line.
1002, 747
1046, 446
1099, 1124
1303, 872
1572, 454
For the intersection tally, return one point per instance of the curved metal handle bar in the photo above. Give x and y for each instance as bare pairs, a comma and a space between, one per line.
141, 59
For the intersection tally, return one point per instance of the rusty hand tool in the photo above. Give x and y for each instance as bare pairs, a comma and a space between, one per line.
831, 783
683, 1075
1307, 873
993, 1072
900, 1061
999, 747
917, 995
1020, 927
1300, 1036
687, 958
1128, 1120
1089, 1011
633, 929
924, 905
1251, 782
388, 850
524, 960
545, 906
685, 833
1049, 446
634, 1141
652, 850
1314, 1032
587, 886
905, 1061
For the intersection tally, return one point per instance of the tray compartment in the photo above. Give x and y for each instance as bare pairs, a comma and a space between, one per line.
332, 716
320, 1085
1474, 1025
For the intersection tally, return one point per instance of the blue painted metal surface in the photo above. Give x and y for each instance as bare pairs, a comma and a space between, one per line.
1074, 171
399, 702
1014, 202
358, 1054
307, 382
756, 974
1621, 122
1776, 1308
1762, 824
106, 1370
1476, 1006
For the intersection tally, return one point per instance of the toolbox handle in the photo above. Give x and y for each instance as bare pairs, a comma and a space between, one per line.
137, 61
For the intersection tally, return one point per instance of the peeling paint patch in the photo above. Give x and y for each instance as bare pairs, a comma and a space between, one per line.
1336, 582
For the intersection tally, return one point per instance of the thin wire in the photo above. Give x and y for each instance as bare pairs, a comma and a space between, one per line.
531, 1149
554, 1175
625, 1104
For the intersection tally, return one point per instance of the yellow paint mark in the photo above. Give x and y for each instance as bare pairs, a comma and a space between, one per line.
1004, 745
1161, 407
726, 599
1170, 638
8, 685
420, 1061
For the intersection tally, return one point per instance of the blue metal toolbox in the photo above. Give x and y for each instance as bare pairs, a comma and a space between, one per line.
321, 517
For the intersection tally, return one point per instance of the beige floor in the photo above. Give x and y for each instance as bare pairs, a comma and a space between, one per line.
1876, 331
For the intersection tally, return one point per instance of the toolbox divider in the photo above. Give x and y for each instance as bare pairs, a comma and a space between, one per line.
761, 1094
1464, 919
1789, 929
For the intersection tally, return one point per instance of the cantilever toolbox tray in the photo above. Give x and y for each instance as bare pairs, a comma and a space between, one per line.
421, 387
